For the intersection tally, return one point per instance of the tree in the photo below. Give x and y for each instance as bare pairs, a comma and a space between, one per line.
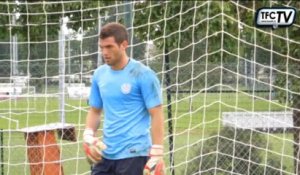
36, 24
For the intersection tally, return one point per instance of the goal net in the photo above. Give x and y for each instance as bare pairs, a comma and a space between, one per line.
231, 89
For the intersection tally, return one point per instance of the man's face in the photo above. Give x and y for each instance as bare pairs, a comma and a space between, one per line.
112, 52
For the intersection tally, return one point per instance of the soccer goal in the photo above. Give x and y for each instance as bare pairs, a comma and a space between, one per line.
231, 88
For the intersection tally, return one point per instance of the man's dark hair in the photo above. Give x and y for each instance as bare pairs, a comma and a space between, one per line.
116, 30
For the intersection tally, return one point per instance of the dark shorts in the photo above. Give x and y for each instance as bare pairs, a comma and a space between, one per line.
129, 166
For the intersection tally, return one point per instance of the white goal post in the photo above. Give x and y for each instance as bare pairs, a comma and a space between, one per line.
223, 78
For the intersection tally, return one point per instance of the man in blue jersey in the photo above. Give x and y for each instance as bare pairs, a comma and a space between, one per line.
129, 95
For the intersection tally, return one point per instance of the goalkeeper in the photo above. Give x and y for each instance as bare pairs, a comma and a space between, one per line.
129, 95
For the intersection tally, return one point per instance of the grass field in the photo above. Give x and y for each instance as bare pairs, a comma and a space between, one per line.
195, 118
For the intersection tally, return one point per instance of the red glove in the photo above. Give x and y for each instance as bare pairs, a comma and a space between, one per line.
92, 146
155, 165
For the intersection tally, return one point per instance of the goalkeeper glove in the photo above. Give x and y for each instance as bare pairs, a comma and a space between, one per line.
155, 165
92, 146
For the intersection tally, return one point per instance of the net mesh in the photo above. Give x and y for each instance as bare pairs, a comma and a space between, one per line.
231, 90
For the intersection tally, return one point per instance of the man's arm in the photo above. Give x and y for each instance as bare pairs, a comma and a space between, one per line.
157, 125
155, 164
92, 145
93, 119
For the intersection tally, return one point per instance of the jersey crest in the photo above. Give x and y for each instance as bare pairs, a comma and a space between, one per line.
126, 88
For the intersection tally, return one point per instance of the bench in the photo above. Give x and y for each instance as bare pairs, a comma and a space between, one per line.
13, 91
75, 85
10, 88
43, 151
78, 92
263, 121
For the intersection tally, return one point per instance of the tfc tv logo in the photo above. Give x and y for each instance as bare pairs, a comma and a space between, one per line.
275, 17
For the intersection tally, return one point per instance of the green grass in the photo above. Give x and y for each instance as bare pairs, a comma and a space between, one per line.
42, 111
194, 118
31, 112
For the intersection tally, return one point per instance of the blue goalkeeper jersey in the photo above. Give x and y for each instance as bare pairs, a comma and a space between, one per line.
125, 97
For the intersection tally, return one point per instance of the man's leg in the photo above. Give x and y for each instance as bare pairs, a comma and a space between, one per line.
130, 166
105, 167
